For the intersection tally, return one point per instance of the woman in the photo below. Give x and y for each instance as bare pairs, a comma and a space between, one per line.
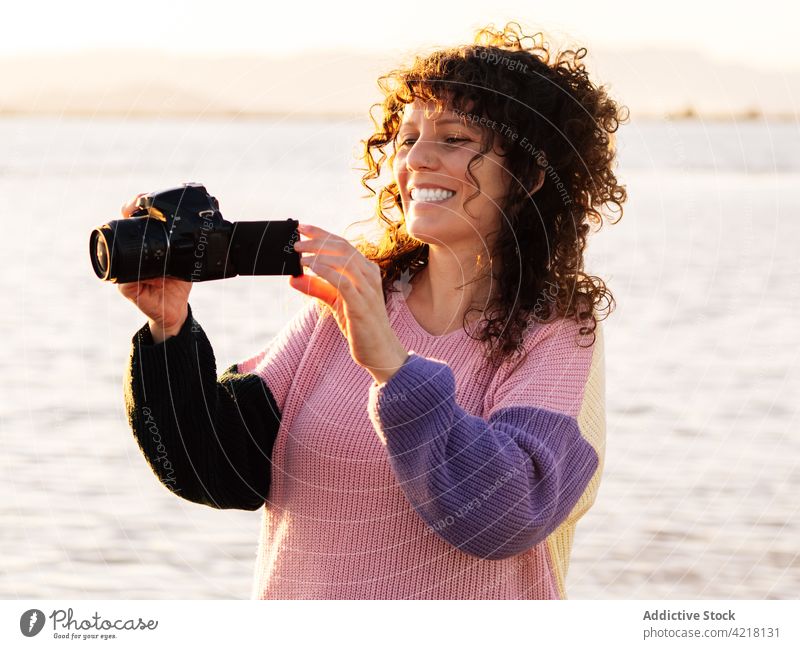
431, 424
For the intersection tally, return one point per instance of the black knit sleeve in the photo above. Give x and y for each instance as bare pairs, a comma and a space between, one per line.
209, 441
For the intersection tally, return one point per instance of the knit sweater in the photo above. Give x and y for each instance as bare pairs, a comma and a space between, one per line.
455, 479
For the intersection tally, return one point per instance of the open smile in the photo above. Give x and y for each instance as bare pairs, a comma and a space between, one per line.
431, 195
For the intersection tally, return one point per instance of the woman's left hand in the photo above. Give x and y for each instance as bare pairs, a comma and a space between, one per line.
350, 284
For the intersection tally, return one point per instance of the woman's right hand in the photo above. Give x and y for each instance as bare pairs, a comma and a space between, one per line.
164, 300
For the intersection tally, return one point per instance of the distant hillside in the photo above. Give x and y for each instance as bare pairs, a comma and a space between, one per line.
651, 82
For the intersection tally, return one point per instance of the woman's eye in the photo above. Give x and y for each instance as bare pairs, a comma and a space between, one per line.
448, 140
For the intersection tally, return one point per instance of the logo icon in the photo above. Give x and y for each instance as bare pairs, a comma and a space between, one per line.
405, 282
31, 622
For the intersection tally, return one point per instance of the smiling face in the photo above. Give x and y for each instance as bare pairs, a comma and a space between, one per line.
433, 150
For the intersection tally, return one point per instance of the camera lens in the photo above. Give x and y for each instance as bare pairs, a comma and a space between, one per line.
98, 249
129, 250
102, 254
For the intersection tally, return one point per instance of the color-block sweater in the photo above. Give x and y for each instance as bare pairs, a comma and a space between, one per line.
455, 479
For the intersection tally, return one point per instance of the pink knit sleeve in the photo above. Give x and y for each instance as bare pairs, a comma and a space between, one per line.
277, 363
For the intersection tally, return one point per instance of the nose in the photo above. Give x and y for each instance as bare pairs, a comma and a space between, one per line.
422, 155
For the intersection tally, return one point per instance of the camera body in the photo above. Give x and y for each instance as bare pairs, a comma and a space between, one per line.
181, 233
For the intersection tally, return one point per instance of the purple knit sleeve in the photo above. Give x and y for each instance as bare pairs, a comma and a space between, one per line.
492, 488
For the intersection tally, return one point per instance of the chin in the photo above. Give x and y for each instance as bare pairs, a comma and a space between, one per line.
434, 226
435, 235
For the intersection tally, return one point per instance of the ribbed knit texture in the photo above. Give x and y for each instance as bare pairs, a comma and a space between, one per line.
208, 440
453, 480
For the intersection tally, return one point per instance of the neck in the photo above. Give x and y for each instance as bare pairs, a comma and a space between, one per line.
445, 285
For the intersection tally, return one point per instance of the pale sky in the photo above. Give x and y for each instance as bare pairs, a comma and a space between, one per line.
762, 33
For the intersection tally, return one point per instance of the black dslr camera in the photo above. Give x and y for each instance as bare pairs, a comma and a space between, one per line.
180, 233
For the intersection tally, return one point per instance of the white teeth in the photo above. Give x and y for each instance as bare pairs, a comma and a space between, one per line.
426, 195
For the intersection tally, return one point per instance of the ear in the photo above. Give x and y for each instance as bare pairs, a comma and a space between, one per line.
539, 183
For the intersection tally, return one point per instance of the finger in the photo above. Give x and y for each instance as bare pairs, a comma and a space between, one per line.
315, 287
340, 281
312, 230
129, 290
130, 207
332, 245
314, 233
153, 282
127, 209
348, 266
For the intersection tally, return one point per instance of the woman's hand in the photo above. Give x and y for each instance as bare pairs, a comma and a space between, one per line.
164, 300
350, 284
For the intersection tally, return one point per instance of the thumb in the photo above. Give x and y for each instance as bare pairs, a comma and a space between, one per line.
315, 287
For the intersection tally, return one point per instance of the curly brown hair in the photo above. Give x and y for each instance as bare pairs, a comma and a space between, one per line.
543, 99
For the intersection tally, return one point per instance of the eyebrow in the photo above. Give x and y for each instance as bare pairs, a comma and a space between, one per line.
447, 120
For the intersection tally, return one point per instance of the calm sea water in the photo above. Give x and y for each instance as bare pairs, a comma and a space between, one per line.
699, 496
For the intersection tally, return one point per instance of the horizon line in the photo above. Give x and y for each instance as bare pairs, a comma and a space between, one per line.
684, 114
